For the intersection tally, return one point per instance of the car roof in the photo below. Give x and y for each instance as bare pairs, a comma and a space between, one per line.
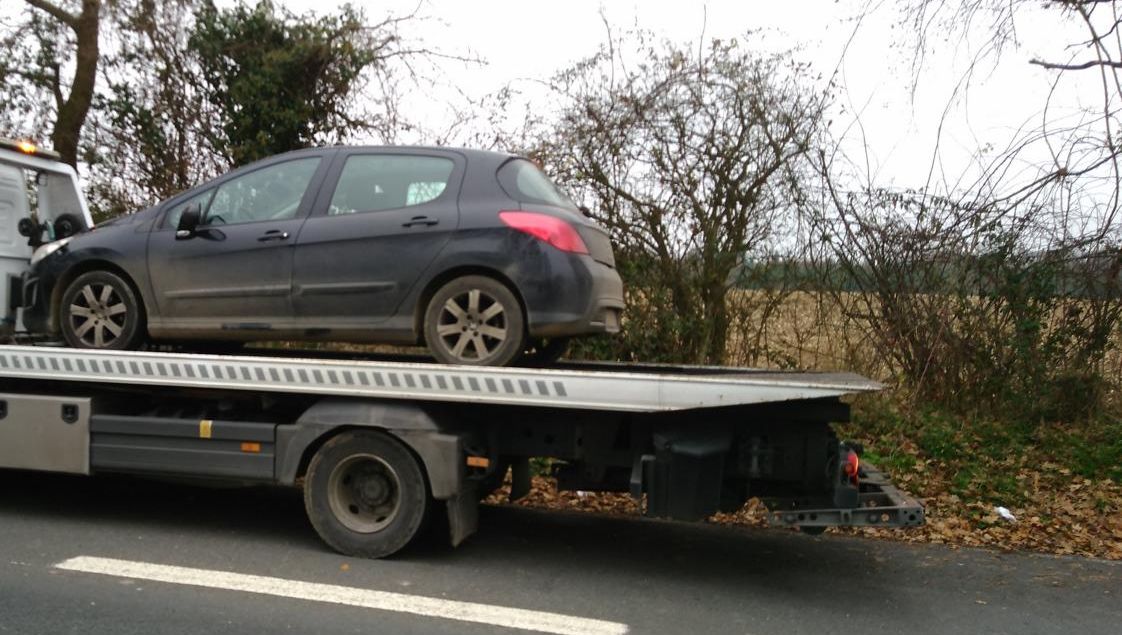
468, 153
485, 159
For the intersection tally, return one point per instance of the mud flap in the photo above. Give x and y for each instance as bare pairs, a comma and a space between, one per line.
463, 515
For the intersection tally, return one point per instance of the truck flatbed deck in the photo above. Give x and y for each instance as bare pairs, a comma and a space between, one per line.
588, 386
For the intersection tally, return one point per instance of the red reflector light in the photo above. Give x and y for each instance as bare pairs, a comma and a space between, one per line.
548, 228
852, 466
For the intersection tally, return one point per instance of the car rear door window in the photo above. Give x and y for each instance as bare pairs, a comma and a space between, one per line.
378, 182
271, 193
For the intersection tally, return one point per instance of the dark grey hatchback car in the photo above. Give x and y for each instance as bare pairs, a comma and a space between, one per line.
475, 254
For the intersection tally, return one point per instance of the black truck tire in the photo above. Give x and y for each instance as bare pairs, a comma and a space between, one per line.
366, 495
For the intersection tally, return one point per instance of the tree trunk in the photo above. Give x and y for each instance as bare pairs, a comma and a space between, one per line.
716, 324
72, 112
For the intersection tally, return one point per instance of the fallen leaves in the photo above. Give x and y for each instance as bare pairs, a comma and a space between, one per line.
1084, 520
1055, 518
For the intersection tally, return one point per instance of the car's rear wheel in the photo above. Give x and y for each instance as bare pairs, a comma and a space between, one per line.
100, 310
475, 320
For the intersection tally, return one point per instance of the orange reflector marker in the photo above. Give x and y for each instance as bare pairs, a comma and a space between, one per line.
250, 446
27, 147
478, 461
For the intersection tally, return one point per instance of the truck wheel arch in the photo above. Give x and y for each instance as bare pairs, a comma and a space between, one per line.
439, 452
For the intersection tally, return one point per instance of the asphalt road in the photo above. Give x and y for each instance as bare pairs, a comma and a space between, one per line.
632, 575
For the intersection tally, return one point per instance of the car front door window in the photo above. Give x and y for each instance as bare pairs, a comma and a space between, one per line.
271, 193
171, 219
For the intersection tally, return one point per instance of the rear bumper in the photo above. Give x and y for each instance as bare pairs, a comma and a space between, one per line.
590, 301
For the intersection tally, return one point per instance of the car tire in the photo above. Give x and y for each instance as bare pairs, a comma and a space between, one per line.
475, 320
100, 310
365, 494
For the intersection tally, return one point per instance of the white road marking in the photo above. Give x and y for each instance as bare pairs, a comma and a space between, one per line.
381, 600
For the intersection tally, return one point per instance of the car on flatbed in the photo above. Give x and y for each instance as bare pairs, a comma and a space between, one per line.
475, 254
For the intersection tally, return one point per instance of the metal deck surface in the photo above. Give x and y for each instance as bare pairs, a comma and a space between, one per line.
618, 387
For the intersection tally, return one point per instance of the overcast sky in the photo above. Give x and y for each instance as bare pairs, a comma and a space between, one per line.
522, 41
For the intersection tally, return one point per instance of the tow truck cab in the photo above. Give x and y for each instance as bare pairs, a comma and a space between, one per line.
40, 202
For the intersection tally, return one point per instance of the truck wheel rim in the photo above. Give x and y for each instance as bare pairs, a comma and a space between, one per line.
98, 315
364, 493
472, 325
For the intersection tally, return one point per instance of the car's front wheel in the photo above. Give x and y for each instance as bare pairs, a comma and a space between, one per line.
100, 310
475, 320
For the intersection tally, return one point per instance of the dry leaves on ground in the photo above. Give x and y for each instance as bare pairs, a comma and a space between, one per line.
1082, 518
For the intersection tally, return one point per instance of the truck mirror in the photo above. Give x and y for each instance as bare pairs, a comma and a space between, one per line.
188, 222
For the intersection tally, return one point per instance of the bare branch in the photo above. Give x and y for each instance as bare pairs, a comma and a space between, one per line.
56, 12
1076, 67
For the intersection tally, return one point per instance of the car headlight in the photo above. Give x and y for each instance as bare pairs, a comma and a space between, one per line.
45, 250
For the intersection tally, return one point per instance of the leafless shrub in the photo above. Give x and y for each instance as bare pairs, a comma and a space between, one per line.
691, 159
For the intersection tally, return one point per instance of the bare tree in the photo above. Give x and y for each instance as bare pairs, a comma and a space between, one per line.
691, 159
1072, 154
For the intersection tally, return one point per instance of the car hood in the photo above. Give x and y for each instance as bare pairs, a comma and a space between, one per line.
128, 219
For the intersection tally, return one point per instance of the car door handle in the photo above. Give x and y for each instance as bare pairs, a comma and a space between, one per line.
271, 235
420, 220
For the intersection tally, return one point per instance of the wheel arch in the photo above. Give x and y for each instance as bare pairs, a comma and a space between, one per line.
437, 452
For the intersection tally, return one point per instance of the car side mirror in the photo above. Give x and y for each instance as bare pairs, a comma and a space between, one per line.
188, 222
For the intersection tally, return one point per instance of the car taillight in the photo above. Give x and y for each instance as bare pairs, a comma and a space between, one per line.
548, 228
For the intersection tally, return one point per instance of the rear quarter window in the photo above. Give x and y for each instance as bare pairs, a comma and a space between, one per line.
523, 181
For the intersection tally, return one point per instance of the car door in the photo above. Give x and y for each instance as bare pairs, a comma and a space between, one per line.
235, 271
382, 218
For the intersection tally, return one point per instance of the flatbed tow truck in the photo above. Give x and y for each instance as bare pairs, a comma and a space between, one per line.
379, 445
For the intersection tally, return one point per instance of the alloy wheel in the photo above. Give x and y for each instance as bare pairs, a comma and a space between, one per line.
472, 325
98, 315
